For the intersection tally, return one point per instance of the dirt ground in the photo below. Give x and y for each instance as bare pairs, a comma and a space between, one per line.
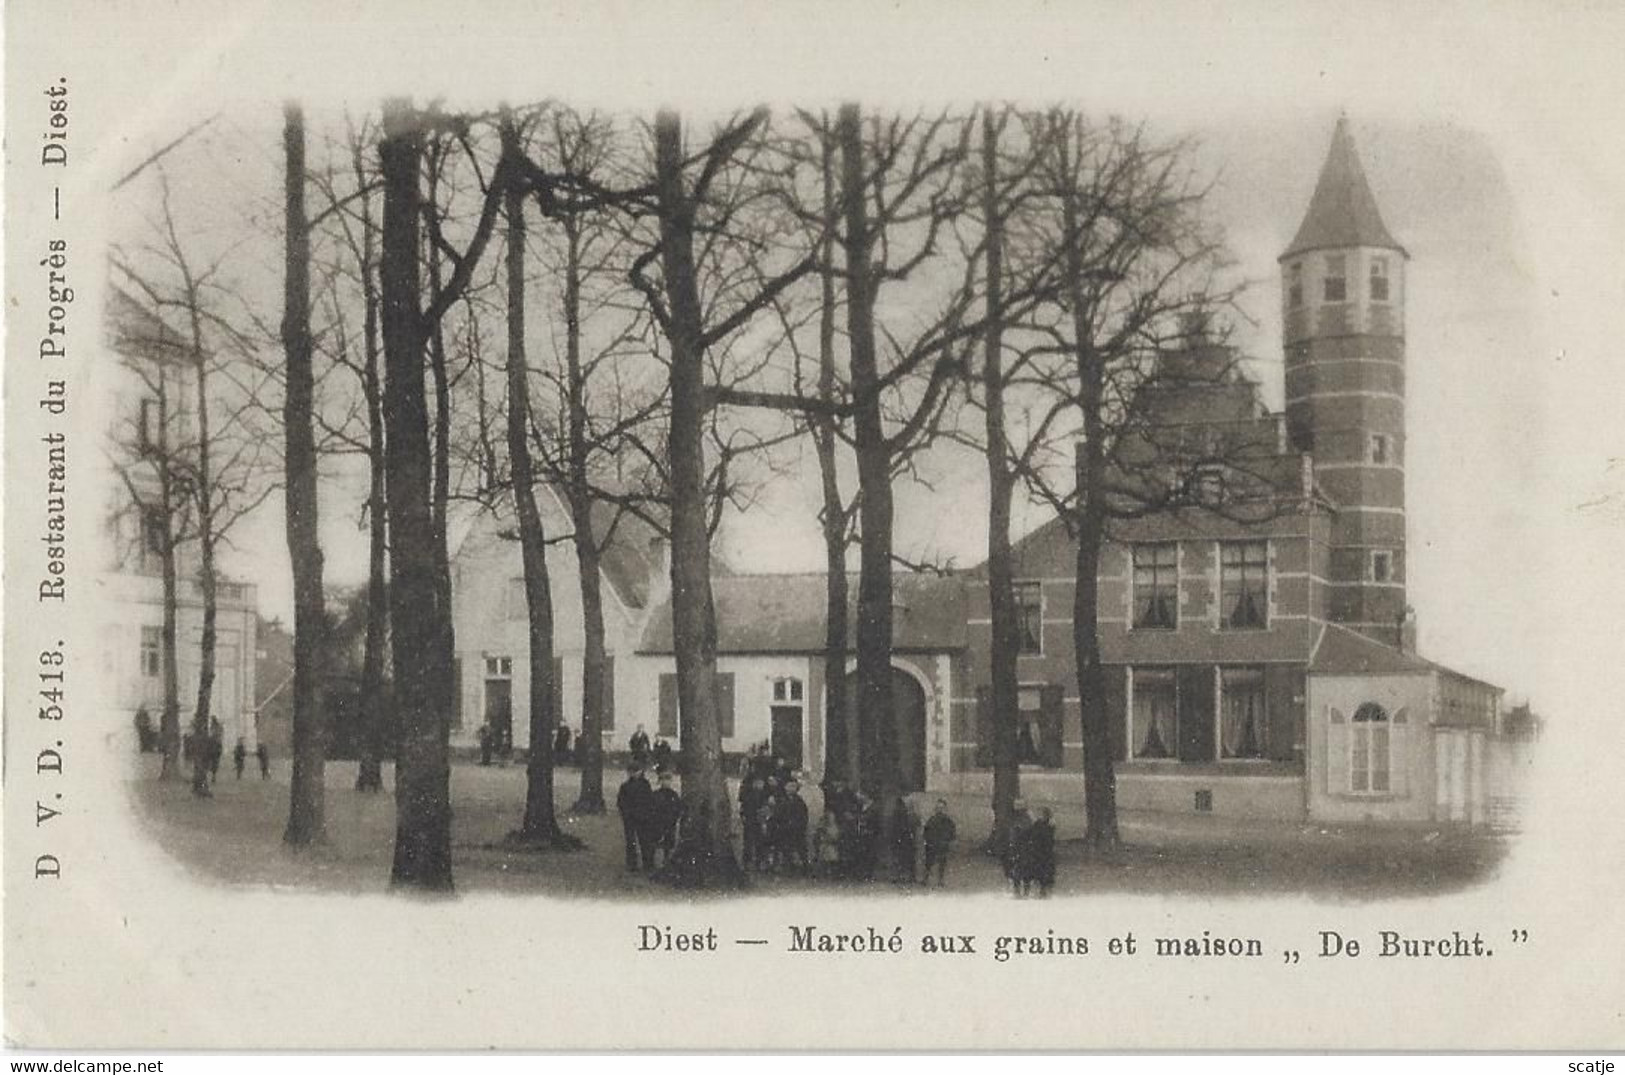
235, 839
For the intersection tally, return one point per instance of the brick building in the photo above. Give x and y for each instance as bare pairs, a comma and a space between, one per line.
1261, 667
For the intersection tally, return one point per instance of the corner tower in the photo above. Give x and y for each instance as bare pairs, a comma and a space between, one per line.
1343, 315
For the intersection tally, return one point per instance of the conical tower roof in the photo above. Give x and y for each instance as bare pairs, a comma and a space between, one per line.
1343, 211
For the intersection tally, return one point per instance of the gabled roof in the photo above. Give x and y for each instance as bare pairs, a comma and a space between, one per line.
1342, 651
135, 331
627, 562
1343, 212
786, 614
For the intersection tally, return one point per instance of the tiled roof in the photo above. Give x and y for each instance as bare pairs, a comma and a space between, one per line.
1341, 651
1343, 211
786, 614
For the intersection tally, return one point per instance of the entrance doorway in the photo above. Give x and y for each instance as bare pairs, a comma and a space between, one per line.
499, 714
908, 708
785, 739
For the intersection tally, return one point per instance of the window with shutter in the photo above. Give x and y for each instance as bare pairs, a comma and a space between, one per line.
724, 691
1051, 711
667, 725
985, 731
1337, 751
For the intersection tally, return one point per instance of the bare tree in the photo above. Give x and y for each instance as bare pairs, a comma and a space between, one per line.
1137, 275
148, 457
306, 806
223, 467
421, 636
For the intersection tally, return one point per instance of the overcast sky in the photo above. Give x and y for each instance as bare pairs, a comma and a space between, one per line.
1512, 219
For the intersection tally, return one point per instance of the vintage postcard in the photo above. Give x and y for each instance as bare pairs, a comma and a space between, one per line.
813, 527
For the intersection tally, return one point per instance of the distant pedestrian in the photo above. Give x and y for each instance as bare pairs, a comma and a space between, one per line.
635, 802
239, 757
752, 797
938, 838
639, 745
1015, 848
1041, 853
561, 743
264, 757
216, 751
667, 814
792, 819
662, 754
903, 844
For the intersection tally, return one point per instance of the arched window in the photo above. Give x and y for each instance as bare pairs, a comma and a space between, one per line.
1369, 750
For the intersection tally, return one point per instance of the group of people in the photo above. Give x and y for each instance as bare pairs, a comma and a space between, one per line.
650, 817
1029, 852
848, 840
644, 753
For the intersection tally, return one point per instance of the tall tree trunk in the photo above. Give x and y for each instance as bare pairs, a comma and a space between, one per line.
842, 736
203, 492
440, 512
879, 776
1006, 631
169, 721
590, 744
369, 771
306, 799
1099, 773
540, 823
707, 841
422, 663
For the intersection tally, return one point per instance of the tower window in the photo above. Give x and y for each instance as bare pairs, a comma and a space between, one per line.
1382, 449
1379, 279
1336, 280
1294, 284
1382, 565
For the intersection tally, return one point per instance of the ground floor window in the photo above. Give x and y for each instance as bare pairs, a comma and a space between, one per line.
1241, 712
1156, 713
1369, 750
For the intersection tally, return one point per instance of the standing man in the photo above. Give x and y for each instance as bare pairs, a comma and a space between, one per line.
264, 757
239, 757
635, 802
938, 836
639, 743
668, 811
793, 828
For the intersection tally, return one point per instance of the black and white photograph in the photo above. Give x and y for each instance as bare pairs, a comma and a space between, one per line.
519, 517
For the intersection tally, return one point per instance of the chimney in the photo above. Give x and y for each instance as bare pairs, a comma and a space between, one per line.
1407, 630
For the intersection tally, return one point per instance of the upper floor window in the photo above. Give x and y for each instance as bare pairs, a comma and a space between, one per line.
1379, 279
147, 425
1243, 584
1029, 616
1294, 284
1156, 585
1382, 449
1335, 283
154, 533
1382, 565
